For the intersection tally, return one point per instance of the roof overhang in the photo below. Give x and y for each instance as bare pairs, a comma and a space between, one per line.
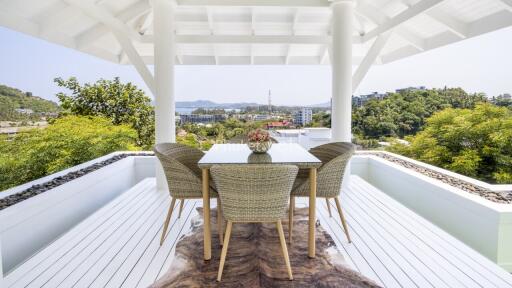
244, 32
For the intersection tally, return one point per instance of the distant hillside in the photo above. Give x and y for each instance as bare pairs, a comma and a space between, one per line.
12, 99
210, 104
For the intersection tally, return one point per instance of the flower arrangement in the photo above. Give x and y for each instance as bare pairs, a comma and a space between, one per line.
258, 135
259, 141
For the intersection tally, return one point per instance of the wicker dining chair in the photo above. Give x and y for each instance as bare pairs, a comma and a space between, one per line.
184, 178
335, 157
254, 193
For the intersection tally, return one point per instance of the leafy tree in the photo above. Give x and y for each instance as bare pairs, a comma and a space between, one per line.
474, 142
67, 142
122, 103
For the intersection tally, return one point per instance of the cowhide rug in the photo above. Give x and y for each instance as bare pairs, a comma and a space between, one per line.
254, 259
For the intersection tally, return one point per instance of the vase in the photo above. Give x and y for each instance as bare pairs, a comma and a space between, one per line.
259, 147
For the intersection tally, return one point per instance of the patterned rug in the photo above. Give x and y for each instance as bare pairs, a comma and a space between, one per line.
254, 259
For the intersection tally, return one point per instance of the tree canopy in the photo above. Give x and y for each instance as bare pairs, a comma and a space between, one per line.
122, 103
474, 142
404, 113
67, 142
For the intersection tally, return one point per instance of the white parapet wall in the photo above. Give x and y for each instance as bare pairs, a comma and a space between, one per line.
484, 225
30, 225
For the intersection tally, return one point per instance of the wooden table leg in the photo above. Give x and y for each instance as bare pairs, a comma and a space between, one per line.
312, 212
206, 215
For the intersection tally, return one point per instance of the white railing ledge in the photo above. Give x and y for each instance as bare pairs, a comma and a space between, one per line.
47, 178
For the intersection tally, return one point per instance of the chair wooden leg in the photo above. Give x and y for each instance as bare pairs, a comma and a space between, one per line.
166, 223
182, 201
224, 250
220, 222
284, 249
328, 207
343, 222
290, 218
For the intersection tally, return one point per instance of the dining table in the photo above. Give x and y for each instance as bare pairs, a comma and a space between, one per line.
240, 154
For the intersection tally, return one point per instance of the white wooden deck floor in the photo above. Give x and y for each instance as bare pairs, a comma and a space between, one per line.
118, 246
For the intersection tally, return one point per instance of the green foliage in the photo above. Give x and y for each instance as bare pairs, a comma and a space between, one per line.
11, 99
320, 119
474, 142
122, 103
204, 136
404, 113
69, 141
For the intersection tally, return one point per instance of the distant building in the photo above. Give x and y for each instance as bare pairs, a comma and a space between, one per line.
360, 100
201, 118
24, 111
261, 117
418, 88
303, 116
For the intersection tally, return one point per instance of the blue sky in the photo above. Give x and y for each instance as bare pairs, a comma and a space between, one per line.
481, 64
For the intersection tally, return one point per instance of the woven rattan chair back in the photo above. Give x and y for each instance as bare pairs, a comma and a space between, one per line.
335, 157
180, 167
255, 193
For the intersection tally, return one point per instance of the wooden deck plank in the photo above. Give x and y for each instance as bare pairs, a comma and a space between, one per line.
401, 245
150, 274
430, 255
71, 238
67, 265
127, 260
393, 250
339, 238
63, 248
118, 246
440, 241
91, 244
115, 251
352, 252
137, 262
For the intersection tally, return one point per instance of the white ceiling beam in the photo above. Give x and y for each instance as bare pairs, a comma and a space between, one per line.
180, 59
251, 54
450, 22
253, 39
508, 3
135, 59
324, 55
295, 20
245, 59
253, 21
96, 12
402, 17
256, 3
484, 25
57, 19
145, 23
210, 20
287, 57
369, 59
99, 30
368, 11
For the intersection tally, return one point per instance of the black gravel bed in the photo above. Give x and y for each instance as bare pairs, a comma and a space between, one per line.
498, 197
57, 181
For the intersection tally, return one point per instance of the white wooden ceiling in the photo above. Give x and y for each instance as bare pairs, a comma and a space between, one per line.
260, 32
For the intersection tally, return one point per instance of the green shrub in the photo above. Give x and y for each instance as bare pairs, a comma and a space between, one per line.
67, 142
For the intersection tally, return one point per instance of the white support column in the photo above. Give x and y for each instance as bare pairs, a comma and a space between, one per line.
165, 55
342, 28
